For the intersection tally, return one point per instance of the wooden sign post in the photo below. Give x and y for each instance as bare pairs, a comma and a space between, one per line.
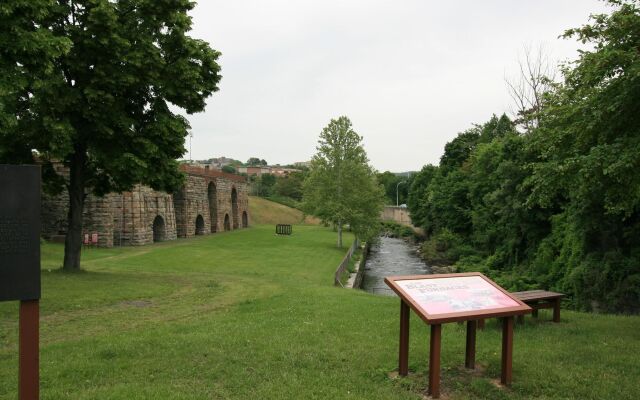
20, 264
443, 298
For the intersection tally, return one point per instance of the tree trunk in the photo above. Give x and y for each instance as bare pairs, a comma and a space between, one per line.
73, 240
340, 234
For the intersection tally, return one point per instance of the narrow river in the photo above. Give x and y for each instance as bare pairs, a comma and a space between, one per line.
390, 256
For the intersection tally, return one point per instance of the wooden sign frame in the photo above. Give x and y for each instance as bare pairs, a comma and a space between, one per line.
431, 319
436, 320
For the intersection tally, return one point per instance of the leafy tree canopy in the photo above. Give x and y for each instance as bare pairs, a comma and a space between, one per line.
290, 185
396, 187
559, 206
341, 187
256, 162
228, 169
90, 83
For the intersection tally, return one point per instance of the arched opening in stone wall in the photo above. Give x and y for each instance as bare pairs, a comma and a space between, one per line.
234, 207
199, 225
227, 224
245, 219
213, 206
159, 232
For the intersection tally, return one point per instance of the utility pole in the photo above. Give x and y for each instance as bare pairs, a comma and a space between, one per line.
397, 185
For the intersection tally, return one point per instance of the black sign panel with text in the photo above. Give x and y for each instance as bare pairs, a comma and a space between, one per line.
19, 232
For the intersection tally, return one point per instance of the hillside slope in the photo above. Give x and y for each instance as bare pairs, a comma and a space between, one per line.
268, 212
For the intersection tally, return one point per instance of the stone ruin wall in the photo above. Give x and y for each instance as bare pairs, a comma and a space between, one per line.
127, 218
134, 212
191, 202
54, 210
210, 197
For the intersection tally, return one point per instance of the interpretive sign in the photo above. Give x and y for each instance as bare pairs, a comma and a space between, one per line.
20, 265
19, 232
438, 299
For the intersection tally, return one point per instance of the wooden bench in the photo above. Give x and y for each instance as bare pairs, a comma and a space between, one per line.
538, 299
283, 229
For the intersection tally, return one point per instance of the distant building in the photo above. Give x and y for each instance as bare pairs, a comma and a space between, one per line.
259, 171
212, 163
202, 164
255, 170
281, 171
306, 164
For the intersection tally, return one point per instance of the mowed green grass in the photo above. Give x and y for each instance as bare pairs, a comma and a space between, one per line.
251, 315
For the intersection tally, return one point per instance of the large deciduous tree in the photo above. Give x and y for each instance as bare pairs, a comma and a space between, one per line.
341, 187
90, 83
589, 162
558, 207
528, 90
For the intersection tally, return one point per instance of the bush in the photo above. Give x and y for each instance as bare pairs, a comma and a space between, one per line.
394, 229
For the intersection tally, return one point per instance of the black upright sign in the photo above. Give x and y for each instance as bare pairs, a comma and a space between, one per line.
19, 232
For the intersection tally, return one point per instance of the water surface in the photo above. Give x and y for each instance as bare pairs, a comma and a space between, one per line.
390, 256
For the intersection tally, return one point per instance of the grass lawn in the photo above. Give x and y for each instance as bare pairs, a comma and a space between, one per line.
249, 315
264, 211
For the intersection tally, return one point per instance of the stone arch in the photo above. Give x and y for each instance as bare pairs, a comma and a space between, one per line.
227, 223
245, 220
213, 206
159, 231
234, 207
199, 225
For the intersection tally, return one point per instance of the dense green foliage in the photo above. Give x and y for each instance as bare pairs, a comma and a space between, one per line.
396, 187
290, 185
285, 189
282, 189
261, 185
28, 54
256, 162
228, 169
341, 187
90, 83
394, 229
558, 207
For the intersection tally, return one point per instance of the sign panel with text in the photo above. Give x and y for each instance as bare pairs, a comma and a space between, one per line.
450, 297
19, 232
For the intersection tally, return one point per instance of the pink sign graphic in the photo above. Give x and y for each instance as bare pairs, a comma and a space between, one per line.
455, 294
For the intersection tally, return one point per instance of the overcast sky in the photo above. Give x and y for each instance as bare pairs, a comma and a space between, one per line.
409, 74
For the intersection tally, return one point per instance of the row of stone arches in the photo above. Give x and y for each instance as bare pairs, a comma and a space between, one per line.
200, 226
213, 206
159, 230
213, 209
